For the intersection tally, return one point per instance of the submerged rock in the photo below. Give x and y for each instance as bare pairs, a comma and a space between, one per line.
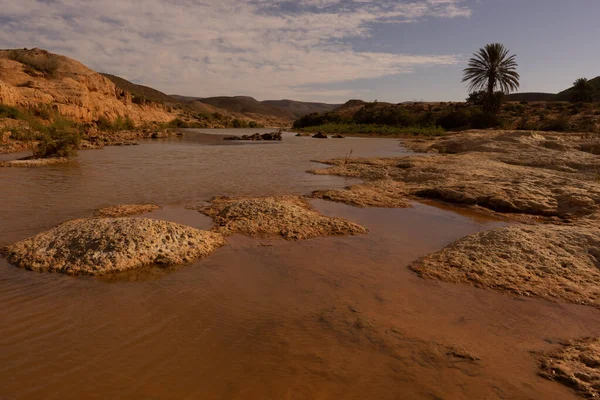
126, 210
108, 245
34, 162
338, 136
320, 135
290, 217
303, 134
257, 136
576, 364
555, 262
383, 193
271, 136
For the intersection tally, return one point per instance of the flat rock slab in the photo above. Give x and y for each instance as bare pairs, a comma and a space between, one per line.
385, 193
126, 210
290, 217
34, 162
576, 364
101, 246
531, 174
555, 262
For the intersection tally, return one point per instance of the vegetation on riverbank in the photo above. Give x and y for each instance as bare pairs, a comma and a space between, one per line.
383, 130
433, 118
48, 134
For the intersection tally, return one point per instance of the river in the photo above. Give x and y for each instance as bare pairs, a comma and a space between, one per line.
329, 318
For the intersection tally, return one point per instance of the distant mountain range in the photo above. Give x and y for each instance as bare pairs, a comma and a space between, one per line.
289, 109
282, 109
565, 95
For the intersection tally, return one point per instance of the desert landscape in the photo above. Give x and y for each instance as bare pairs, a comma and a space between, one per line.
226, 247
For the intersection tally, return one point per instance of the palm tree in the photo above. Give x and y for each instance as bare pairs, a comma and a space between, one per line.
583, 91
492, 69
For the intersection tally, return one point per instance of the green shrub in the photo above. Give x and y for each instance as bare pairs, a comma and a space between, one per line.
104, 124
123, 124
119, 124
378, 129
525, 124
481, 120
43, 111
455, 120
10, 112
46, 64
138, 99
178, 123
238, 123
61, 140
560, 124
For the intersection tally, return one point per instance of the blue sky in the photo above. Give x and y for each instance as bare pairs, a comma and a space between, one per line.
320, 50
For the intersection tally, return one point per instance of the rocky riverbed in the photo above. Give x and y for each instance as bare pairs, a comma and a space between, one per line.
533, 174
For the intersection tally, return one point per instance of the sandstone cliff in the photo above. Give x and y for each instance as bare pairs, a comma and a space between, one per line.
29, 78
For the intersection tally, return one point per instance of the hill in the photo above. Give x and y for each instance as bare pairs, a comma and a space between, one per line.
565, 95
247, 105
299, 108
29, 78
140, 91
287, 109
531, 96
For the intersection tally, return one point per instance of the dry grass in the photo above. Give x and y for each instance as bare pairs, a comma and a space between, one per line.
555, 262
576, 364
290, 217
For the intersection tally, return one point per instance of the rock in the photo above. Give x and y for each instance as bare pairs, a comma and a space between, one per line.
338, 137
126, 210
555, 262
257, 136
290, 217
5, 137
108, 245
505, 172
271, 136
576, 364
34, 162
320, 135
383, 193
159, 135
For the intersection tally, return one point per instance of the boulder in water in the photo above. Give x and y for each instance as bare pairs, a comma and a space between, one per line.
100, 246
290, 217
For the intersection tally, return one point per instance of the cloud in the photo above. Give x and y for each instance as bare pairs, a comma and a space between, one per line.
264, 48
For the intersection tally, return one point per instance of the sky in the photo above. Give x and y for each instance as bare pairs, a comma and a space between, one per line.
311, 50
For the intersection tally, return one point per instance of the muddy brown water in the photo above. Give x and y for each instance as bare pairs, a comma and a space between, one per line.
330, 318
